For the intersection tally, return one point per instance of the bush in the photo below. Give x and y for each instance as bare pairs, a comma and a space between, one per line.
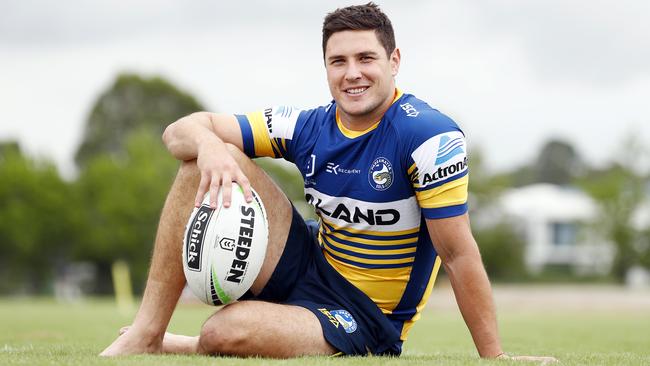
502, 249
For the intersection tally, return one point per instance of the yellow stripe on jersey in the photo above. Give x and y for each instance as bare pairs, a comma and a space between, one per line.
375, 233
383, 286
378, 243
370, 251
427, 293
411, 169
261, 138
332, 248
448, 194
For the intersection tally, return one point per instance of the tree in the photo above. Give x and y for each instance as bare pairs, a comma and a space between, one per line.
123, 198
502, 251
618, 191
132, 103
38, 215
557, 163
484, 187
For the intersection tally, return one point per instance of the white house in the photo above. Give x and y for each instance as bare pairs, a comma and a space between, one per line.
559, 228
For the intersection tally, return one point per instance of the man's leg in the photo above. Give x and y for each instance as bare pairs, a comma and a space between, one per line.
166, 278
255, 328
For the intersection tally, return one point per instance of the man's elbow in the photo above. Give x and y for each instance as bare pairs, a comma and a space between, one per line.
168, 133
172, 133
470, 255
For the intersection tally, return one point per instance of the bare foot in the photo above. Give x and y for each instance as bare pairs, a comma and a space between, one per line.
132, 342
175, 343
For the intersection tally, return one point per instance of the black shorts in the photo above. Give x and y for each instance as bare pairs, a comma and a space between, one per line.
351, 321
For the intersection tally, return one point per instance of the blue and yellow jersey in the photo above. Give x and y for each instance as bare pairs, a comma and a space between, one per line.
373, 190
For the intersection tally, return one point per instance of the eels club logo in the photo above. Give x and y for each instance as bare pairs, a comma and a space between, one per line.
380, 175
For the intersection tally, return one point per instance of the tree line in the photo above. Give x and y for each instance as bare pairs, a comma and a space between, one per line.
110, 210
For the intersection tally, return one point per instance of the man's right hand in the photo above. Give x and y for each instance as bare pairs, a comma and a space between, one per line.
218, 168
205, 137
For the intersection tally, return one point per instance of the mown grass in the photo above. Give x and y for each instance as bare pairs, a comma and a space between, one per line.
44, 332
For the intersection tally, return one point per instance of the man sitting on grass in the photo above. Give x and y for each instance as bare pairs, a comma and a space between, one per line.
387, 175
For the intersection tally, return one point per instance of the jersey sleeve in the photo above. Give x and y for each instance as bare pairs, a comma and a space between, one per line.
438, 169
270, 132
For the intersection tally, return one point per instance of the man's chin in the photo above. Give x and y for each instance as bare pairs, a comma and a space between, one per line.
358, 110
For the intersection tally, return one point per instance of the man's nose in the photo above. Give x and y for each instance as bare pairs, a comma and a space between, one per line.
353, 72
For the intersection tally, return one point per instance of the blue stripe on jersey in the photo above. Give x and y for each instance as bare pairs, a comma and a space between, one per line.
438, 184
371, 246
331, 246
281, 148
443, 212
247, 135
425, 258
276, 152
370, 266
370, 236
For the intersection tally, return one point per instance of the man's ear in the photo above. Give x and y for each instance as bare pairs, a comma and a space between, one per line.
395, 58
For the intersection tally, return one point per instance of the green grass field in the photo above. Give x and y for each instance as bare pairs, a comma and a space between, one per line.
44, 332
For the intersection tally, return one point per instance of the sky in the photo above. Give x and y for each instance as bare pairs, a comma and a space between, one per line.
513, 74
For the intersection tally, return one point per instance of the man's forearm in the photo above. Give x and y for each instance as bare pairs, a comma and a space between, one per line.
474, 297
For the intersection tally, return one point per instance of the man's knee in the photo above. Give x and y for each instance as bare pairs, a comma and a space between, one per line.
227, 332
188, 170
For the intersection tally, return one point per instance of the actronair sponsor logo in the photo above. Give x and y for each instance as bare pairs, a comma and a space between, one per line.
242, 249
448, 148
195, 236
284, 111
440, 158
444, 172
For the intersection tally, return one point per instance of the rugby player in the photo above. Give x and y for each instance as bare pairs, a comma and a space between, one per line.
387, 175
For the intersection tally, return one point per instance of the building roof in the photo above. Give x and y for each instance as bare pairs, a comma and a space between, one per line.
551, 201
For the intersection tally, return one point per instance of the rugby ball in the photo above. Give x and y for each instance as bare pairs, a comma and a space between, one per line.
224, 248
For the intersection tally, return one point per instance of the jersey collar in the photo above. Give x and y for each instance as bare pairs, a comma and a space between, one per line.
354, 134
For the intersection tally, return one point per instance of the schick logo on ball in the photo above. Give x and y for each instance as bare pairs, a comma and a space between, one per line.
242, 250
194, 239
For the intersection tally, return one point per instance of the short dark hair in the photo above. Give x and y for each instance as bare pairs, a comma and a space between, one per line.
360, 17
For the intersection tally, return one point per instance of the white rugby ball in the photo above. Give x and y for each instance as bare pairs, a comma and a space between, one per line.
224, 248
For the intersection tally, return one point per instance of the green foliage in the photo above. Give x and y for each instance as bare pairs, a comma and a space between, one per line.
502, 250
484, 187
122, 199
37, 219
132, 103
557, 163
618, 191
288, 178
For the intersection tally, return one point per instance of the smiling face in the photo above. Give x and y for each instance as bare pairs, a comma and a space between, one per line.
361, 76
